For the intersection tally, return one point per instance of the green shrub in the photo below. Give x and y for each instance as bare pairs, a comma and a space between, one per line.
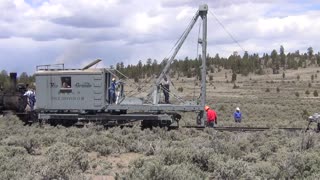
307, 92
31, 144
311, 161
234, 77
200, 159
222, 108
63, 161
315, 93
230, 169
103, 150
290, 165
210, 78
251, 157
15, 162
308, 141
155, 169
172, 156
265, 170
305, 114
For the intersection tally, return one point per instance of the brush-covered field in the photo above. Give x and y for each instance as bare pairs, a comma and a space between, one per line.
92, 152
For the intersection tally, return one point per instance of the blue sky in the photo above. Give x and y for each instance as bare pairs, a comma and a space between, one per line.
35, 3
75, 32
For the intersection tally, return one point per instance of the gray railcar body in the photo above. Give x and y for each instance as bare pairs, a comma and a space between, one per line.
73, 90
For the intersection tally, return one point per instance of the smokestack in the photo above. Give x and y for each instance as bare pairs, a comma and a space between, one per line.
13, 81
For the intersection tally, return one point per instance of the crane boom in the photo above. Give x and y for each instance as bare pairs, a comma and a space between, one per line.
180, 43
202, 12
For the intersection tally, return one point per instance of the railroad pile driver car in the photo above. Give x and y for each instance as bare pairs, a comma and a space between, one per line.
81, 95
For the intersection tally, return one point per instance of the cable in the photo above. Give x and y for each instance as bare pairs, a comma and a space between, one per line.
184, 32
177, 42
174, 95
136, 84
175, 45
225, 29
194, 85
231, 36
198, 39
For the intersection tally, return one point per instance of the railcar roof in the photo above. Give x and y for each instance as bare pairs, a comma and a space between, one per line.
71, 71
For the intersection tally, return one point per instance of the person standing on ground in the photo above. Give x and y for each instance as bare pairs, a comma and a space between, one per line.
211, 116
31, 97
237, 115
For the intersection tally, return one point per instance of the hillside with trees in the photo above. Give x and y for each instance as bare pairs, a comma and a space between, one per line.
22, 78
248, 63
187, 67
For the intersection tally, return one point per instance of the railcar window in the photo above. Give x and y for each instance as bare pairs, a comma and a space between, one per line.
66, 85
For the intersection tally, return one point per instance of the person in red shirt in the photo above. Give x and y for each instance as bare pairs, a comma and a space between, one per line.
211, 116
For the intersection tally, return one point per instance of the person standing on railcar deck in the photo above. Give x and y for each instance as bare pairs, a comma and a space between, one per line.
165, 85
112, 91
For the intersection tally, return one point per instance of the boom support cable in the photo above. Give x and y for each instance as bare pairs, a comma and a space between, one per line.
225, 29
230, 35
197, 56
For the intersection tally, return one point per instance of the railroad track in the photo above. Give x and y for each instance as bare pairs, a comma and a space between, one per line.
240, 129
225, 128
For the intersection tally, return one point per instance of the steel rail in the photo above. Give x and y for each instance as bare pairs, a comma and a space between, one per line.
243, 129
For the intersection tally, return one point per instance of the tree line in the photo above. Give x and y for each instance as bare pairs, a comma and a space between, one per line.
245, 64
22, 78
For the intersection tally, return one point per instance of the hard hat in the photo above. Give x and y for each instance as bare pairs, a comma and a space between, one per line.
237, 109
113, 79
206, 108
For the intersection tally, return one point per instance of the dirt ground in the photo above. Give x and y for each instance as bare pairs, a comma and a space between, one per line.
119, 164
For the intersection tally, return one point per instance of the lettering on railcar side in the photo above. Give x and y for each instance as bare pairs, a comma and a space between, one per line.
78, 98
77, 85
83, 85
53, 85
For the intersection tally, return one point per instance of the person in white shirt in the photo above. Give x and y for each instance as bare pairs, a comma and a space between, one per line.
165, 85
31, 98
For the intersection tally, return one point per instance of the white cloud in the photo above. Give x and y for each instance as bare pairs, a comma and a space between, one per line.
141, 23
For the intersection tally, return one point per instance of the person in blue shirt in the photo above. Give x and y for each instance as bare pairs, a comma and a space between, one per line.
31, 97
112, 91
237, 115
